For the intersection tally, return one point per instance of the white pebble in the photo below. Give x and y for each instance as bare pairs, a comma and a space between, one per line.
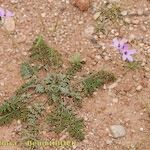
139, 88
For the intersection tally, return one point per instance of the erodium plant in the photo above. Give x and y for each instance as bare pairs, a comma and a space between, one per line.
50, 99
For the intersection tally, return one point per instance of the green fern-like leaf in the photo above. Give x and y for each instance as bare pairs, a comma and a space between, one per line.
44, 54
12, 109
26, 71
96, 80
31, 129
76, 65
11, 104
76, 129
26, 86
39, 88
63, 118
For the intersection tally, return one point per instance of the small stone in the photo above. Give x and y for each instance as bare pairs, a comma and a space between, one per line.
24, 53
104, 87
9, 24
95, 93
98, 57
2, 83
143, 28
112, 86
140, 12
106, 58
19, 122
135, 21
96, 15
115, 100
113, 1
83, 5
80, 22
124, 13
139, 88
14, 1
127, 20
147, 69
109, 142
141, 129
43, 15
131, 28
117, 131
143, 64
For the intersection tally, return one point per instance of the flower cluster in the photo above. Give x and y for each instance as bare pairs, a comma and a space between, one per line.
123, 48
5, 13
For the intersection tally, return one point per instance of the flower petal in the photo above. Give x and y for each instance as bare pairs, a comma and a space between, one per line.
115, 42
122, 43
9, 13
130, 59
2, 12
124, 57
125, 47
130, 52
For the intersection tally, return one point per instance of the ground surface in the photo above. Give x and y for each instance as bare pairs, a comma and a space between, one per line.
68, 30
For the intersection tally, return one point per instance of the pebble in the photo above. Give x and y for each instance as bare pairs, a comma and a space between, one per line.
131, 28
98, 57
106, 58
83, 5
24, 53
109, 142
112, 86
19, 122
143, 28
147, 69
140, 12
124, 13
127, 20
115, 100
43, 15
117, 131
14, 1
2, 83
104, 87
139, 88
141, 129
114, 1
135, 21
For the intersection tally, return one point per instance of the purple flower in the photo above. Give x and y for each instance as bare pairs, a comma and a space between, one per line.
5, 13
123, 48
126, 55
119, 44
